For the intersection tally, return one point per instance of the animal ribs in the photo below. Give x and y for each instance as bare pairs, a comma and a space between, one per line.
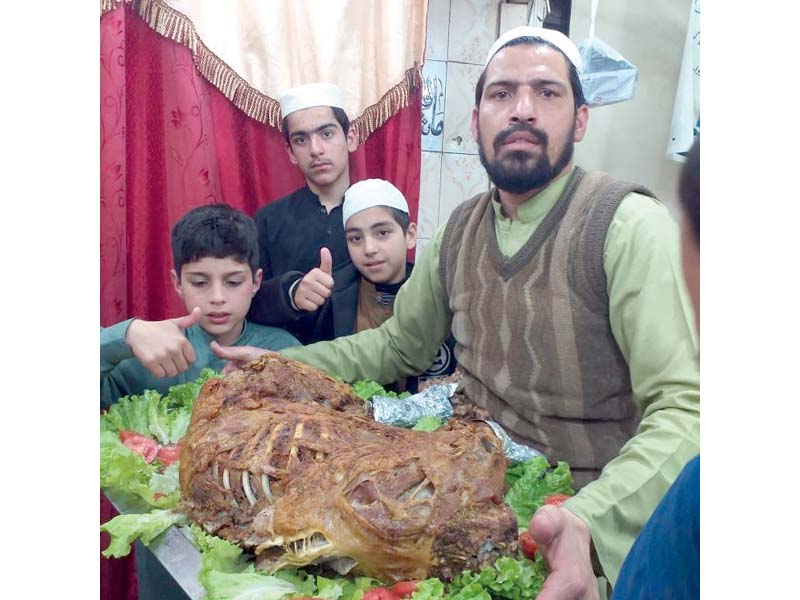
278, 459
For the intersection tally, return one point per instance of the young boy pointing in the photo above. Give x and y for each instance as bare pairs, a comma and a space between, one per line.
216, 273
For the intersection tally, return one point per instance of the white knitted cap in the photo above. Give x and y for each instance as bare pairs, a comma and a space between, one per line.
308, 95
558, 39
369, 193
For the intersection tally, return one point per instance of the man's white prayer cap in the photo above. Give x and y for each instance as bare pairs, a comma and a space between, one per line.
308, 95
558, 39
369, 193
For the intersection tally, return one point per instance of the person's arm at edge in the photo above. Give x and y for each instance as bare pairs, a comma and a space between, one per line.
651, 320
405, 344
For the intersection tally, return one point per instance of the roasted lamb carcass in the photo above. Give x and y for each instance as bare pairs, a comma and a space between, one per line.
278, 460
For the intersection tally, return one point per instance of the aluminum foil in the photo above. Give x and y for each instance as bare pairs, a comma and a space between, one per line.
432, 402
515, 453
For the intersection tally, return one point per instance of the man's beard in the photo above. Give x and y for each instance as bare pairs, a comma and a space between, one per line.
518, 171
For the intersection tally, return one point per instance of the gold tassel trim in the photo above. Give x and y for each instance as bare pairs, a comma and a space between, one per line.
108, 6
389, 105
176, 26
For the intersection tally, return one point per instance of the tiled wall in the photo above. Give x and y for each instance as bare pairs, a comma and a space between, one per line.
459, 35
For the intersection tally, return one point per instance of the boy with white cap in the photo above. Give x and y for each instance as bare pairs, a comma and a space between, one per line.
301, 239
379, 233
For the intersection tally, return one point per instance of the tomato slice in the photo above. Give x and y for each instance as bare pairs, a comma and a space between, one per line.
528, 545
403, 589
379, 593
556, 499
126, 434
169, 454
141, 444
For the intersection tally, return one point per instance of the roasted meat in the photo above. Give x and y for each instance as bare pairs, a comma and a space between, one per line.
278, 459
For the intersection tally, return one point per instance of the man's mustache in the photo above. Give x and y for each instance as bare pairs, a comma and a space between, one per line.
501, 137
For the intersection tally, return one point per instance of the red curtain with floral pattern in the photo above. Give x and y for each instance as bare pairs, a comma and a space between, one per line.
170, 141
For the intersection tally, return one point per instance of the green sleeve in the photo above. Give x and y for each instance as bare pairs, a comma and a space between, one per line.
113, 349
651, 320
406, 344
113, 352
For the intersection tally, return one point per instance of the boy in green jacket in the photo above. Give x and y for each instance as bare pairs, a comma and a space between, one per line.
215, 254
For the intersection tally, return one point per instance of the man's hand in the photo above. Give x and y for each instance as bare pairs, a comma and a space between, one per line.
565, 543
316, 285
161, 346
237, 356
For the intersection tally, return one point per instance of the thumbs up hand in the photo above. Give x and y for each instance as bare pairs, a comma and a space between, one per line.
161, 346
316, 285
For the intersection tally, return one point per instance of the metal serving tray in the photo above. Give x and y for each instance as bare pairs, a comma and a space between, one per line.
174, 551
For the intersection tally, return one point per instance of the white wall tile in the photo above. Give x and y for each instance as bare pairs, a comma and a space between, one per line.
459, 100
512, 15
434, 76
472, 30
463, 176
430, 183
437, 29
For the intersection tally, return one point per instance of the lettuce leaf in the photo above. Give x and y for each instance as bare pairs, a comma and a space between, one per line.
226, 574
180, 402
130, 412
305, 583
125, 529
429, 589
218, 554
165, 418
532, 483
184, 394
127, 472
168, 482
471, 591
353, 589
366, 389
427, 423
157, 417
245, 586
509, 578
329, 589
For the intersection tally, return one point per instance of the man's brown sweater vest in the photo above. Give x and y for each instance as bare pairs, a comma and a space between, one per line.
532, 331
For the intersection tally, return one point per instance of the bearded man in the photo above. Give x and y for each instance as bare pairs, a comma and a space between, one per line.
563, 291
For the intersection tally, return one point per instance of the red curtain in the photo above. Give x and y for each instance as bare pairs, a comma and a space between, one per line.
169, 141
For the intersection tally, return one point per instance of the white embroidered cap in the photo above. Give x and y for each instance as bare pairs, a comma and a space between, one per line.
558, 39
308, 95
369, 193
